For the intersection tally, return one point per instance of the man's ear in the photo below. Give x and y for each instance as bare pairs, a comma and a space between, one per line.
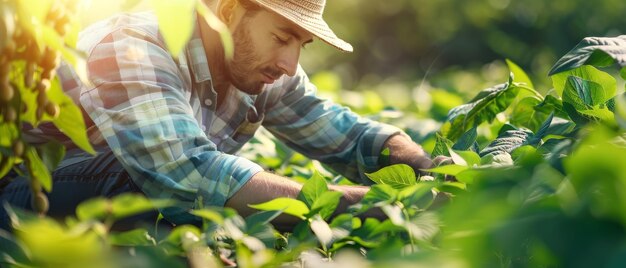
226, 10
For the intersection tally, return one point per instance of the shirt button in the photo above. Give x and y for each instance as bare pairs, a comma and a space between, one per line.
203, 127
208, 102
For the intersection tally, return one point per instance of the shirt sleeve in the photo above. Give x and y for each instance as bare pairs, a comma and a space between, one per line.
141, 106
325, 131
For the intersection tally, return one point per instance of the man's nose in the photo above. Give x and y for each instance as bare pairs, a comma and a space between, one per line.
288, 60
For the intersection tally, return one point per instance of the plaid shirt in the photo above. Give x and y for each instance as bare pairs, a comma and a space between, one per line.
159, 117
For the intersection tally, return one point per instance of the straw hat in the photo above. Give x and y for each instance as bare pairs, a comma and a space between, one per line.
308, 15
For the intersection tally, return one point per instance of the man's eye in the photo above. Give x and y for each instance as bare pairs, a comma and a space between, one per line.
280, 40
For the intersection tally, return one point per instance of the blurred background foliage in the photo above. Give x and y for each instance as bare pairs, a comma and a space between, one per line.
408, 40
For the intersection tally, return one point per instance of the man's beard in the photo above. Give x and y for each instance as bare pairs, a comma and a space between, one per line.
243, 65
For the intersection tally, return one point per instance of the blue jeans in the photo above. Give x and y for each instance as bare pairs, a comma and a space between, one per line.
79, 177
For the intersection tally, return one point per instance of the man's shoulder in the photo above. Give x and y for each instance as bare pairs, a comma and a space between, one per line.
143, 25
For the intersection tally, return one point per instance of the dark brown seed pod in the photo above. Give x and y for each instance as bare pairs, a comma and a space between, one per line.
39, 113
42, 99
50, 59
43, 85
48, 74
29, 74
6, 91
18, 148
32, 52
10, 115
40, 203
52, 109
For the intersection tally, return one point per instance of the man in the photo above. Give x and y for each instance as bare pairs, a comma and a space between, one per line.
174, 124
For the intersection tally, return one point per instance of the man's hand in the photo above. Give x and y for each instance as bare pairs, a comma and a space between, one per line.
402, 150
443, 160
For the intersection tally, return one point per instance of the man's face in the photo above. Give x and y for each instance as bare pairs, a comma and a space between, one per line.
267, 46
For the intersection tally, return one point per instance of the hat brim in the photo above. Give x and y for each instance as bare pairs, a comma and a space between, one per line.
314, 25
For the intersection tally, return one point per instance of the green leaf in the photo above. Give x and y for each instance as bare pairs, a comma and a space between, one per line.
526, 155
70, 120
173, 241
589, 73
560, 127
120, 206
380, 194
6, 163
326, 204
453, 187
448, 169
96, 208
367, 228
209, 215
469, 158
597, 158
507, 142
12, 250
518, 74
551, 104
586, 101
526, 115
412, 194
287, 205
37, 169
394, 213
135, 237
544, 128
584, 94
261, 218
383, 159
466, 140
397, 176
484, 107
129, 204
176, 22
441, 145
599, 51
321, 230
312, 189
51, 154
604, 114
